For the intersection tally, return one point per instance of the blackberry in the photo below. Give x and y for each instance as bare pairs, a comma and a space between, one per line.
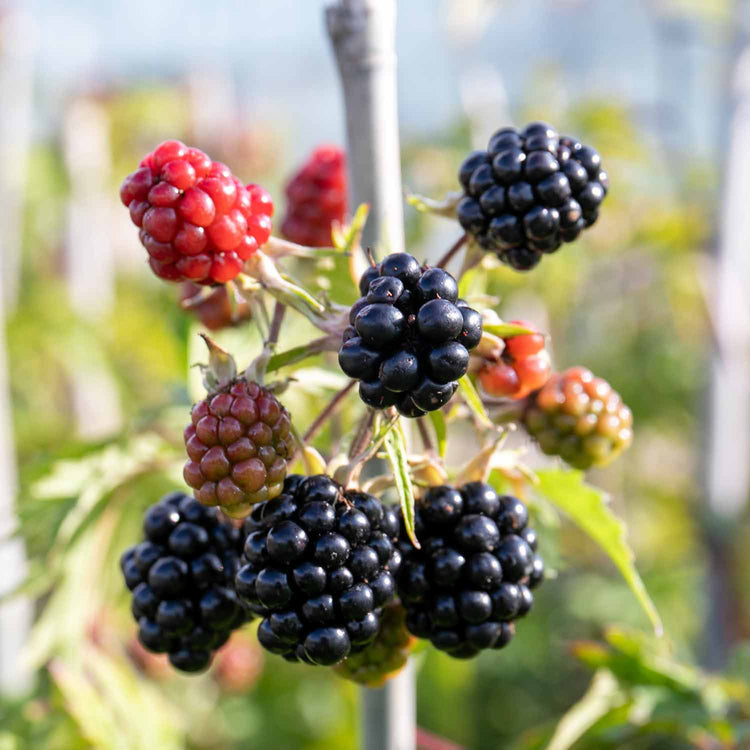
474, 572
411, 336
238, 444
182, 580
386, 656
318, 566
316, 197
523, 366
197, 221
529, 192
580, 418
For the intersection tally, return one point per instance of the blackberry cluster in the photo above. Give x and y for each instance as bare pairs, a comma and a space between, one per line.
409, 338
386, 656
529, 192
238, 443
197, 221
474, 572
580, 418
317, 196
318, 566
182, 578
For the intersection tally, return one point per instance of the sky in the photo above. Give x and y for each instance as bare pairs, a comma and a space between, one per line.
278, 54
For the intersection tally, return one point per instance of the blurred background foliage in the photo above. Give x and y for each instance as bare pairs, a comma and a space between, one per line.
626, 300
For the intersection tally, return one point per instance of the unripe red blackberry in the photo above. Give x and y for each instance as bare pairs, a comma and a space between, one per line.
386, 656
238, 444
410, 337
197, 221
182, 578
318, 567
523, 366
215, 310
580, 418
474, 572
316, 197
529, 192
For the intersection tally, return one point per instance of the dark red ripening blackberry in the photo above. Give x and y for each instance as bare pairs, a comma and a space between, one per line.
529, 192
472, 577
238, 443
316, 197
182, 579
318, 566
410, 336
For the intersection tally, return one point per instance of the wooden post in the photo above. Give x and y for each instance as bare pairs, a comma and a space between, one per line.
726, 467
363, 35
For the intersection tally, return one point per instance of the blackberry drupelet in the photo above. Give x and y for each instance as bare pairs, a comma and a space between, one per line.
472, 577
410, 336
529, 192
182, 579
318, 566
580, 418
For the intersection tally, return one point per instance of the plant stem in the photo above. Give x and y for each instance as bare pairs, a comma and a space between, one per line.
425, 435
457, 245
279, 310
323, 417
364, 433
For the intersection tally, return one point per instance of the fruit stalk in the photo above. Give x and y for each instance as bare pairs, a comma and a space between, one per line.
363, 35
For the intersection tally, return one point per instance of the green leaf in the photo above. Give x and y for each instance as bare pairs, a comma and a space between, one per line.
587, 507
438, 422
506, 330
445, 207
603, 694
395, 448
473, 400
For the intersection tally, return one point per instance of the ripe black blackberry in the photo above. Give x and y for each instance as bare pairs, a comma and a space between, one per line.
529, 192
410, 335
182, 578
474, 572
318, 566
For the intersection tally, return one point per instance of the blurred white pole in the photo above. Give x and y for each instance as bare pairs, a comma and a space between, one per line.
363, 34
16, 53
727, 455
90, 262
17, 42
15, 614
213, 108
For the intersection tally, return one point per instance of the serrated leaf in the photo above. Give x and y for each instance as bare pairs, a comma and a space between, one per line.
395, 448
300, 353
587, 507
473, 401
506, 330
438, 422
